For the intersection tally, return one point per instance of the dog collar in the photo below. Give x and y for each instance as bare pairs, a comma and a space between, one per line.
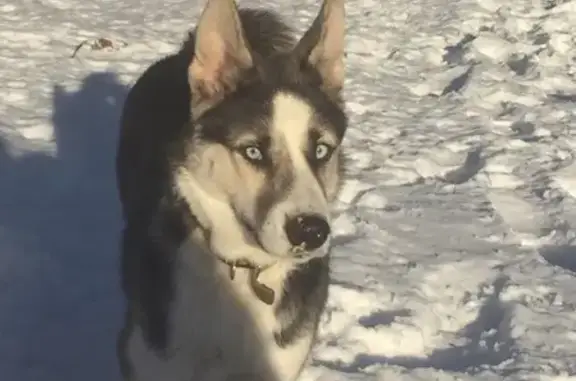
262, 292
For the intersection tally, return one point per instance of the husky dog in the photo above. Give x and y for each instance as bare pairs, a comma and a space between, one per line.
228, 160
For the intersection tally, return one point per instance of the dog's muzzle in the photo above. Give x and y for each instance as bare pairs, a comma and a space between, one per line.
307, 232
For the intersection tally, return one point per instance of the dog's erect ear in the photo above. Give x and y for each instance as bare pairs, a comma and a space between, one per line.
323, 45
221, 53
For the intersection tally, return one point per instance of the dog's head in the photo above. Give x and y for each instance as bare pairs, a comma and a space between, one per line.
269, 128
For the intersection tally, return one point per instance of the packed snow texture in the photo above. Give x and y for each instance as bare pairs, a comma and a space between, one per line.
454, 255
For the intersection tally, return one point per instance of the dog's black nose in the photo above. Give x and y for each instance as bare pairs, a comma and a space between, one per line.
308, 231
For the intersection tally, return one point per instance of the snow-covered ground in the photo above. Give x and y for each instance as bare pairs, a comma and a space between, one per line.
456, 252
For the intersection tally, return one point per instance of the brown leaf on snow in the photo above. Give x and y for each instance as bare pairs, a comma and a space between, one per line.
99, 44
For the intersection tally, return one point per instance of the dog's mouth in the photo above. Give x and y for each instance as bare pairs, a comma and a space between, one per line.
303, 254
250, 231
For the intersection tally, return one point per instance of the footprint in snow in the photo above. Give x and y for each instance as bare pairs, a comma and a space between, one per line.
383, 317
561, 256
449, 166
520, 215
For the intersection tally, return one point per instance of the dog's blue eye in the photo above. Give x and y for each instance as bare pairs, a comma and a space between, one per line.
253, 153
322, 151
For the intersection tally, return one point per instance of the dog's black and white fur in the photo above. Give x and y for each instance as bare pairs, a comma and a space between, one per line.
229, 157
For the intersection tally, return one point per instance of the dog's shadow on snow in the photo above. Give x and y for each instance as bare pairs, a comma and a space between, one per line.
59, 225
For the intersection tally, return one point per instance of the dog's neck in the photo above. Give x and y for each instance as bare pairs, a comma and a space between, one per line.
263, 292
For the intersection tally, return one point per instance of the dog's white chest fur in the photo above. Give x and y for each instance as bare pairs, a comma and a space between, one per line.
220, 330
